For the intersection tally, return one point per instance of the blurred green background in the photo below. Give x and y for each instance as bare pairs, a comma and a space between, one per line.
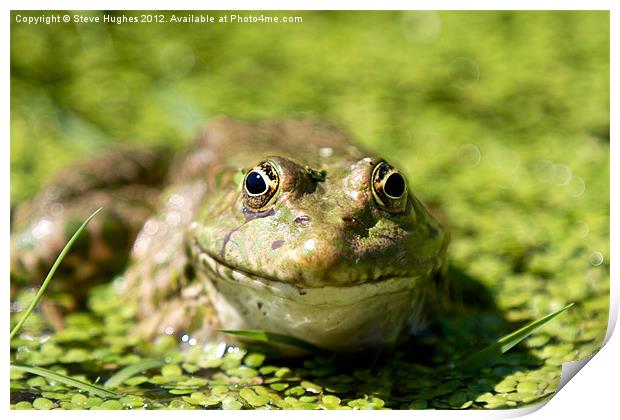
403, 81
500, 119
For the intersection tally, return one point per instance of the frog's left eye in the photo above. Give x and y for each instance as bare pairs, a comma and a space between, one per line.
389, 188
260, 186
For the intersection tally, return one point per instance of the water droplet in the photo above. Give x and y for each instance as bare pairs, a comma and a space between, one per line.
353, 194
464, 72
544, 170
173, 218
176, 200
561, 174
140, 246
150, 227
43, 228
169, 330
310, 245
56, 209
52, 193
469, 155
119, 283
326, 152
221, 349
185, 338
576, 186
596, 258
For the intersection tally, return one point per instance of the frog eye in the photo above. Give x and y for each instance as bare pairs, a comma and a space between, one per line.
260, 186
389, 188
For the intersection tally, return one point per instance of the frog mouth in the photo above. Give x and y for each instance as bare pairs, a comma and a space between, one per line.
340, 318
343, 294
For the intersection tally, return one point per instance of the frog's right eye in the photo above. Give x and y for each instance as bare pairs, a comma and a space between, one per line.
260, 186
389, 188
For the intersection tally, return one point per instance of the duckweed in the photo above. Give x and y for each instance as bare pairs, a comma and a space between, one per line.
254, 360
110, 405
230, 403
311, 387
279, 386
42, 404
242, 372
136, 380
79, 400
295, 391
253, 398
366, 403
527, 387
330, 402
23, 405
171, 370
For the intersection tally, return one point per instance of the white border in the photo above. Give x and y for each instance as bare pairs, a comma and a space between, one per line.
595, 390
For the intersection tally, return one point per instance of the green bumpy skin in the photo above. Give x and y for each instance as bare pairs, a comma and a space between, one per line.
322, 257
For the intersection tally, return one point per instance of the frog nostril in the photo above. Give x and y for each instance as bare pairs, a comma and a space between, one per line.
302, 221
350, 221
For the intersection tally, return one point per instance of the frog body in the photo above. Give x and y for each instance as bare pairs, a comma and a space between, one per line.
282, 226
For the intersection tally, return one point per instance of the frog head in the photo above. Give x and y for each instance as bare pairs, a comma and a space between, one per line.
341, 255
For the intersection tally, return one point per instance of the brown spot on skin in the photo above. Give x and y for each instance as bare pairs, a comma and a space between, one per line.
277, 244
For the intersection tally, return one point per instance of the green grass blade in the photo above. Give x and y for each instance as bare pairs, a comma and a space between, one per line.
269, 337
131, 370
501, 346
48, 374
50, 274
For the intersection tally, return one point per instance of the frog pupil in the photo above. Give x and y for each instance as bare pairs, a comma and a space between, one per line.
255, 184
394, 186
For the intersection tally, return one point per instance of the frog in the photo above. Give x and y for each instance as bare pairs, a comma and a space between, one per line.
285, 226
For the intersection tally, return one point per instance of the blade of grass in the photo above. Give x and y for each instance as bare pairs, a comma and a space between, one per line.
131, 370
50, 274
501, 346
48, 374
269, 337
